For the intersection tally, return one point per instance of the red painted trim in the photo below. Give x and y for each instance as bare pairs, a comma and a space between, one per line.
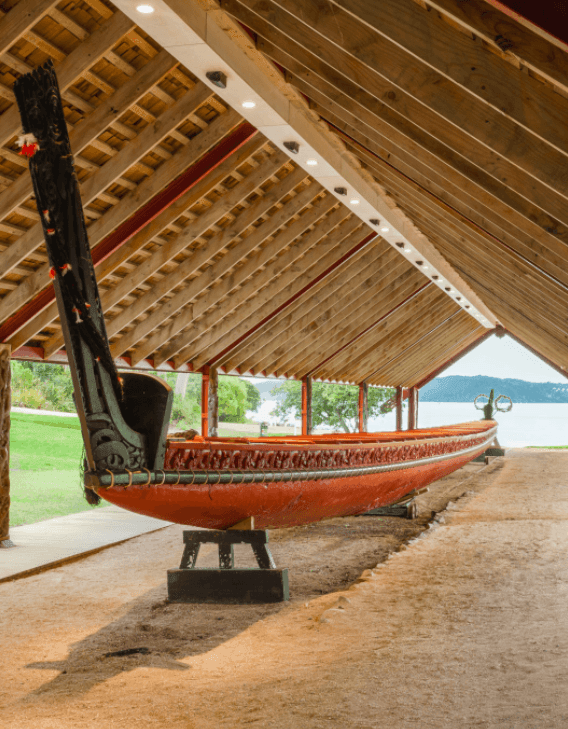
291, 300
306, 406
371, 326
452, 360
160, 202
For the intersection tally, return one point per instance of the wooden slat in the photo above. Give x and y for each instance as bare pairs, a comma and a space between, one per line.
20, 19
244, 276
254, 309
433, 102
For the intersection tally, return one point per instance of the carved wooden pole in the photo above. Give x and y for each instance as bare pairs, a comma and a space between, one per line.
363, 407
205, 401
399, 407
306, 406
412, 408
5, 404
213, 402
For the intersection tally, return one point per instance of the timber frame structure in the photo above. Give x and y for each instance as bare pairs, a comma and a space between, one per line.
436, 212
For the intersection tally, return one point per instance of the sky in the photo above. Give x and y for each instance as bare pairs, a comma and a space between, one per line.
502, 358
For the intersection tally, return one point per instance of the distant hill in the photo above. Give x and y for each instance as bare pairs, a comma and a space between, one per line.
456, 388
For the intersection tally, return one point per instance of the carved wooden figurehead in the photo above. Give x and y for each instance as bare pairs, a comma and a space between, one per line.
123, 419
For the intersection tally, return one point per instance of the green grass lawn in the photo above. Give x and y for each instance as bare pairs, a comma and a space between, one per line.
45, 459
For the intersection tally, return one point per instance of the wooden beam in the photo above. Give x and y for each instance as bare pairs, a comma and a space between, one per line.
20, 19
5, 406
455, 358
399, 407
213, 403
439, 106
205, 401
540, 52
260, 344
332, 94
251, 313
293, 330
247, 276
216, 270
363, 407
70, 70
307, 406
413, 409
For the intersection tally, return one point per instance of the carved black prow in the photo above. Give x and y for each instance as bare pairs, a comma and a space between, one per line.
124, 419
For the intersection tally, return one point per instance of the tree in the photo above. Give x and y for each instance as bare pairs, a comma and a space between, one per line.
233, 400
333, 405
253, 396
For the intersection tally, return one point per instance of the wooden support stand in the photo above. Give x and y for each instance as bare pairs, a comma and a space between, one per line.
227, 584
489, 453
406, 511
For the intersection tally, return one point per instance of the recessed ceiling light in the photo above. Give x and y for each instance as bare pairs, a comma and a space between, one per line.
385, 229
311, 162
354, 201
248, 104
146, 9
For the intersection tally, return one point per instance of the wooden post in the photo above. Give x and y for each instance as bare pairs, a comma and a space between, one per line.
205, 401
412, 408
5, 404
399, 407
363, 407
213, 402
306, 406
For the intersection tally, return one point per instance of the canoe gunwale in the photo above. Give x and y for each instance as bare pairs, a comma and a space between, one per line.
96, 481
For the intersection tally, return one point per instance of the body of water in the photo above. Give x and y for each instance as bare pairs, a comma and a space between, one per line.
528, 424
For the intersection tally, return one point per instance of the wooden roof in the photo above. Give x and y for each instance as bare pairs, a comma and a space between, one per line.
213, 245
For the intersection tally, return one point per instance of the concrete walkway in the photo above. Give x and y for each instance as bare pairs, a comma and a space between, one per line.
53, 542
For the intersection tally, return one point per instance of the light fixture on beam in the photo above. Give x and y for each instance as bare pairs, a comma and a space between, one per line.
340, 190
145, 9
311, 162
249, 104
218, 78
293, 147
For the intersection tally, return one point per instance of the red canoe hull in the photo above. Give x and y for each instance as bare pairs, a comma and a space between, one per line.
433, 454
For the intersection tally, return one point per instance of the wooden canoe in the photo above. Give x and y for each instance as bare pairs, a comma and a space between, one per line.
291, 481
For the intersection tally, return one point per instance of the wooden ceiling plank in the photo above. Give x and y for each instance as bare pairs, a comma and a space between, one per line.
440, 349
529, 250
352, 303
21, 19
511, 300
80, 138
70, 70
336, 339
333, 94
456, 56
216, 270
277, 326
285, 287
538, 51
392, 332
490, 254
103, 227
313, 249
445, 327
198, 227
274, 338
433, 102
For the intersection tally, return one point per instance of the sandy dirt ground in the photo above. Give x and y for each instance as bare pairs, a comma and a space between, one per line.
466, 626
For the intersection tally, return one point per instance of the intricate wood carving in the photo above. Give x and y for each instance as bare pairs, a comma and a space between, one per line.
117, 431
